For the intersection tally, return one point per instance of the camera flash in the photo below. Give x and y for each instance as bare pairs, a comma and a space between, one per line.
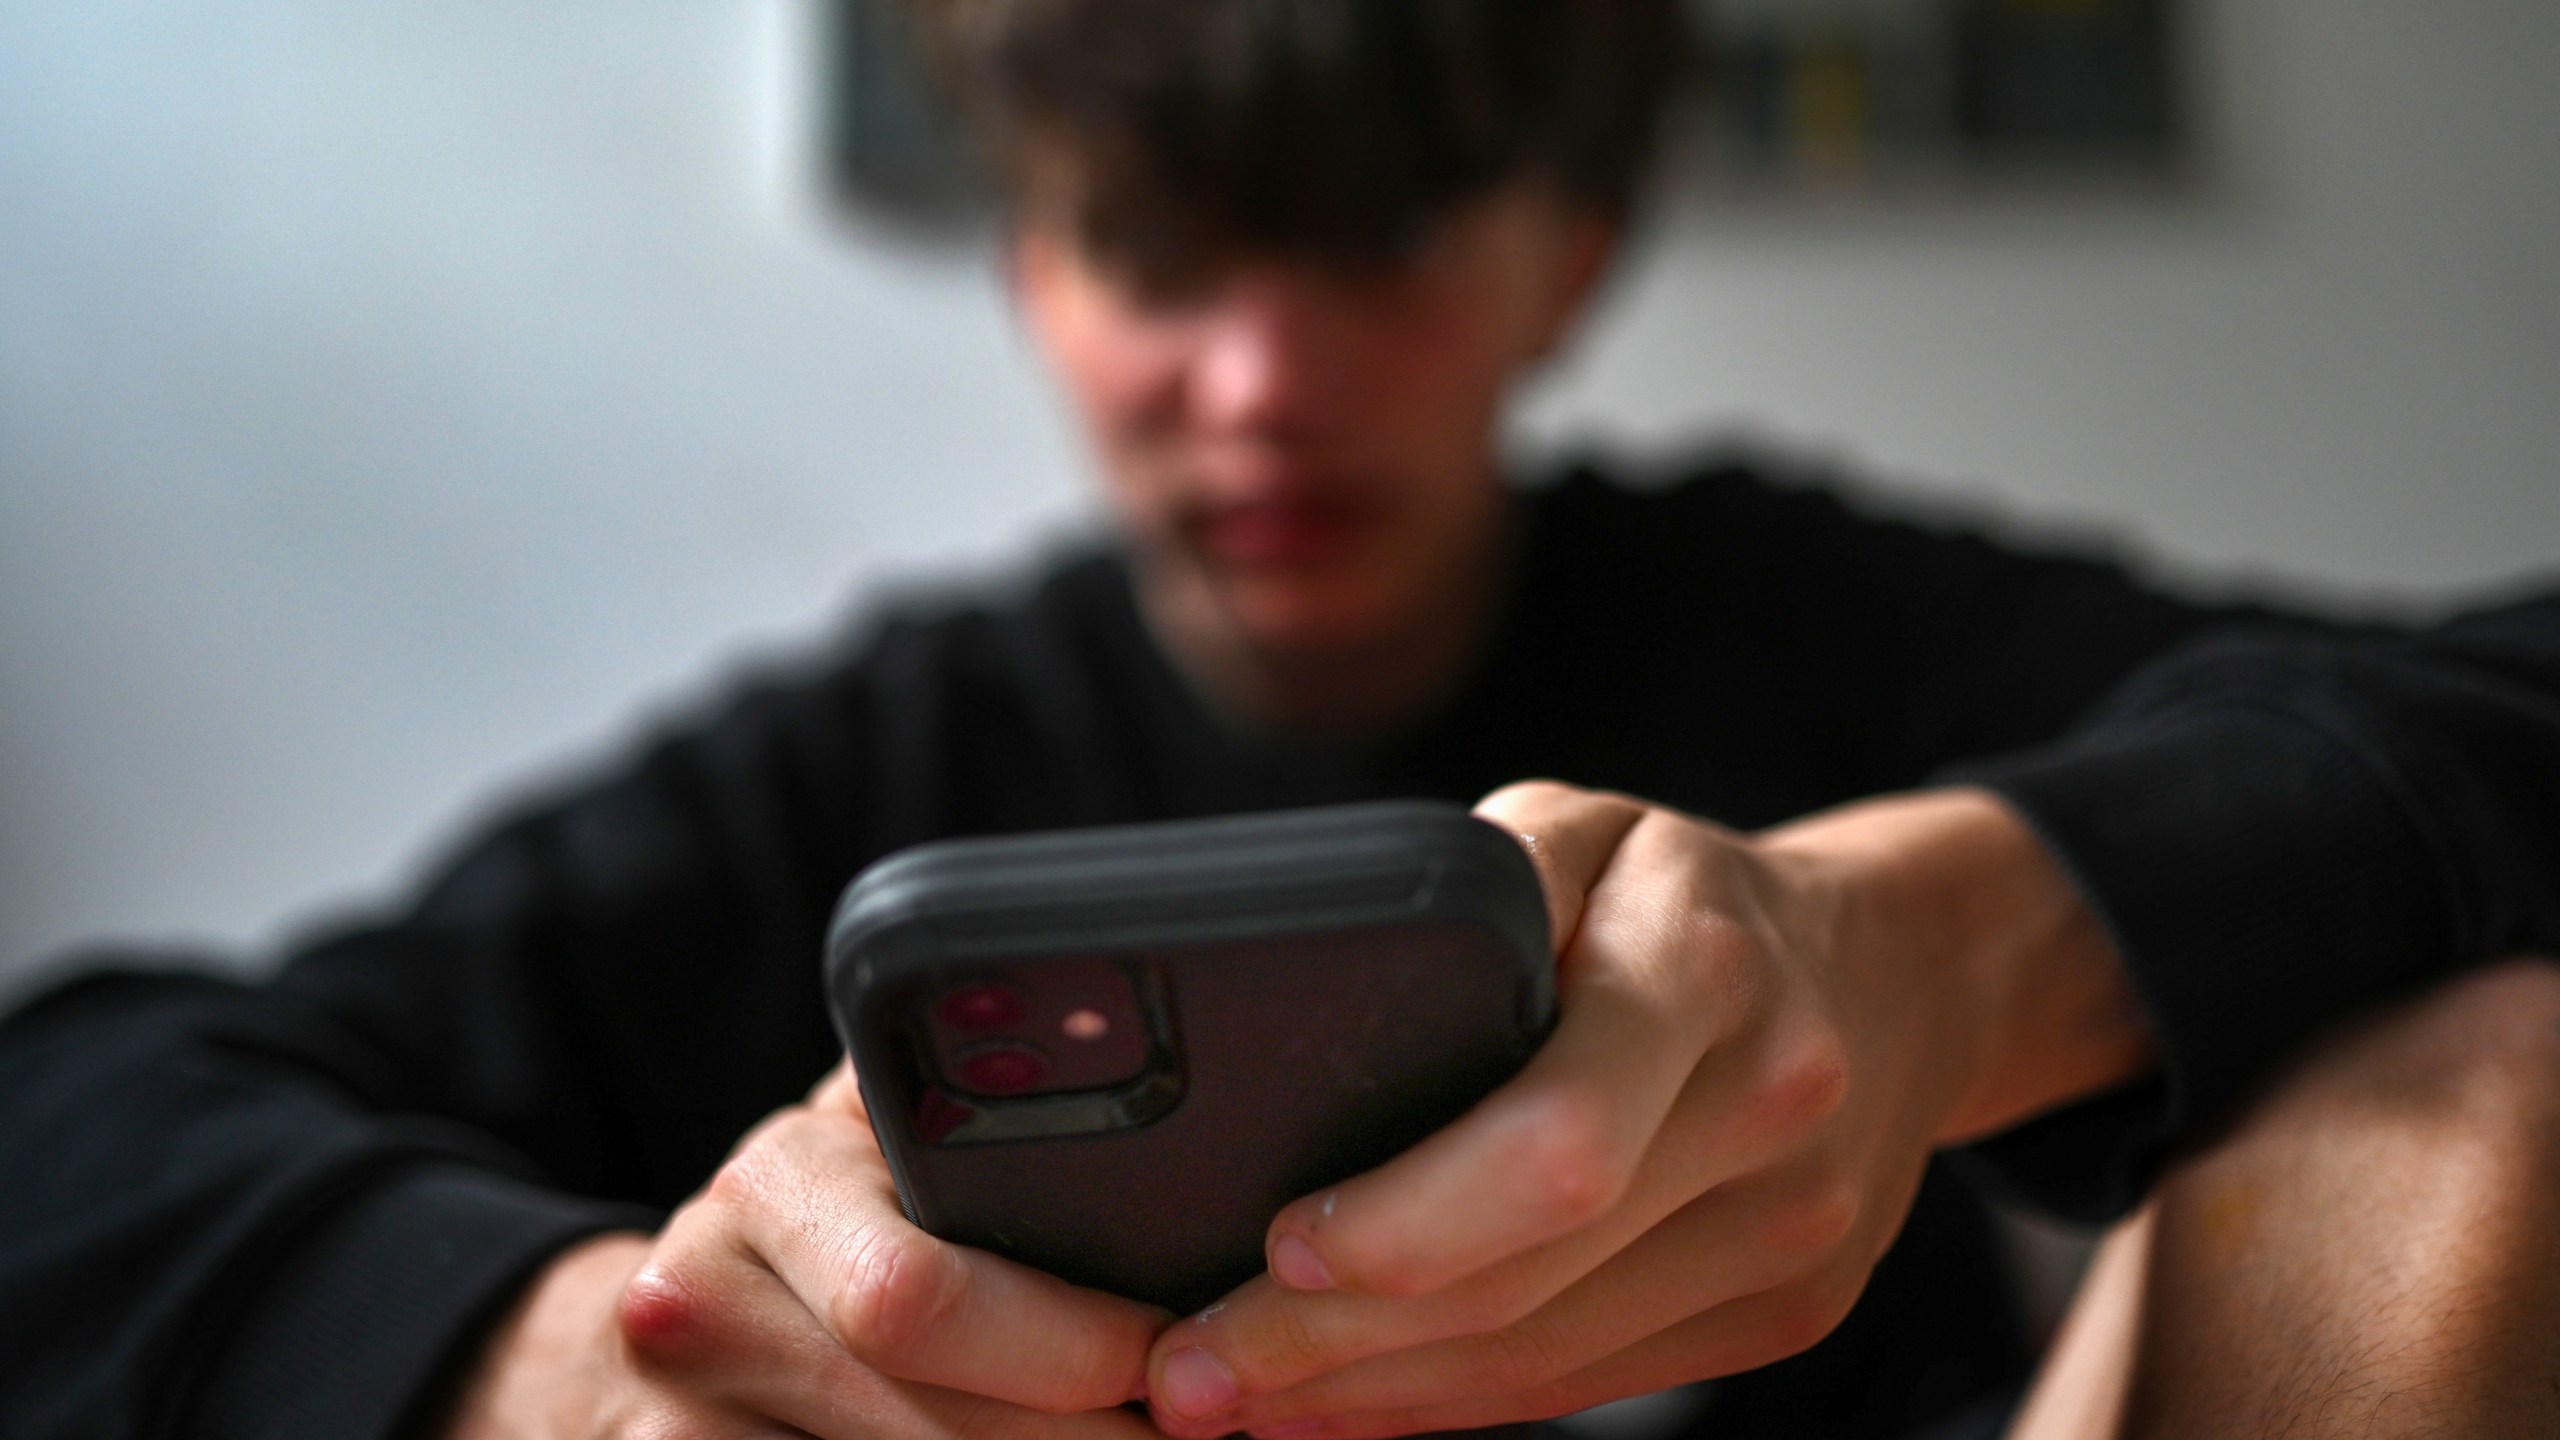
1085, 1025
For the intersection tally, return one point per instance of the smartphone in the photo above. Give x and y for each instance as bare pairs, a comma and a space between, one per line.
1115, 1053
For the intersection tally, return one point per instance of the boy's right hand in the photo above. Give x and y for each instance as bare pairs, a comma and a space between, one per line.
792, 1297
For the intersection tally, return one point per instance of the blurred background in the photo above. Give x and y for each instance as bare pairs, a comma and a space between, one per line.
397, 402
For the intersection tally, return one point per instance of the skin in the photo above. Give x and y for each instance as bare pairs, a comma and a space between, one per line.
2368, 1254
1763, 1039
1762, 1036
1302, 458
790, 1297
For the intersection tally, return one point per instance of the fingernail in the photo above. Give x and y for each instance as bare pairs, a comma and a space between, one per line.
1294, 1263
1195, 1384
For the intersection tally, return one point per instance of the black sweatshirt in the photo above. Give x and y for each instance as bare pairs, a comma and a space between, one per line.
289, 1208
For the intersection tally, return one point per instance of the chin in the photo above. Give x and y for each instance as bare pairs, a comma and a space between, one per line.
1305, 616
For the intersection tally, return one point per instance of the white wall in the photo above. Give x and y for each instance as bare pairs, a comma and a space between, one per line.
397, 399
2340, 361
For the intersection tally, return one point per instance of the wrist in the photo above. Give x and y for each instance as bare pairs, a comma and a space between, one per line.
1997, 968
546, 1339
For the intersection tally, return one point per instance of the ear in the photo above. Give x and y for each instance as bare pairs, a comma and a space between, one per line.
1585, 248
1016, 258
1031, 262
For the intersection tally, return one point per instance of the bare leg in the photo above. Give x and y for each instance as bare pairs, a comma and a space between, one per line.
2373, 1251
2080, 1392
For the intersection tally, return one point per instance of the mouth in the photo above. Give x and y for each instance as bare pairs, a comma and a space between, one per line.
1281, 531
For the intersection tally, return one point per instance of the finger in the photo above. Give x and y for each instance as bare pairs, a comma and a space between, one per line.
1569, 835
1267, 1337
1743, 1334
815, 1203
1270, 1338
747, 1348
1734, 1241
954, 1415
840, 1092
1655, 975
714, 1330
1547, 1153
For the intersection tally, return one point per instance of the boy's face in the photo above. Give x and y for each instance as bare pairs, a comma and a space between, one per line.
1304, 456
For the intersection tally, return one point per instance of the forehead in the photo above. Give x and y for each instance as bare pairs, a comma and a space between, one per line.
1486, 235
1114, 207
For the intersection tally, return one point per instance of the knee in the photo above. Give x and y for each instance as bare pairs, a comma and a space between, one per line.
2483, 1051
2464, 1079
2380, 1214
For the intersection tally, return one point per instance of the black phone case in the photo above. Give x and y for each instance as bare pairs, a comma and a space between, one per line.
1324, 988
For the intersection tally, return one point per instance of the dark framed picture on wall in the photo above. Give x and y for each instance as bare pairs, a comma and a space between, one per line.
1849, 92
1789, 97
889, 147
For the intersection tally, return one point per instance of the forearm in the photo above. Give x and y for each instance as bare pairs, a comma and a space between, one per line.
244, 1245
2280, 833
2018, 972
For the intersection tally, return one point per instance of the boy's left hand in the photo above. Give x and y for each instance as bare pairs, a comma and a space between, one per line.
1760, 1041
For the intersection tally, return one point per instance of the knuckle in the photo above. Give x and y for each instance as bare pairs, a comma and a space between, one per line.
1535, 795
1733, 954
1695, 856
1498, 1297
1715, 966
1658, 825
749, 1174
1815, 1225
988, 1419
737, 1181
1801, 1318
1807, 1084
1519, 1358
665, 1315
898, 1284
1573, 1167
1289, 1346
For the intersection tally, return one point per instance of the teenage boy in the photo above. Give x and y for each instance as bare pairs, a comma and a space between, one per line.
461, 1172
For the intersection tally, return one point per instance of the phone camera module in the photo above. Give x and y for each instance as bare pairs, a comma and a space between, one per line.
983, 1008
1004, 1068
1040, 1027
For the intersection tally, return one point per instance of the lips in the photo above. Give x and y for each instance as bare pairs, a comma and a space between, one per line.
1290, 530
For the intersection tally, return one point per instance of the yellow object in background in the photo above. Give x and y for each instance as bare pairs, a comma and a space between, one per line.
1830, 100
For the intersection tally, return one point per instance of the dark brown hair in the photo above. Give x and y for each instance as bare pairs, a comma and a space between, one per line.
1336, 128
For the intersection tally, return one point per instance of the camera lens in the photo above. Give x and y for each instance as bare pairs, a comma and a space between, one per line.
983, 1008
1002, 1069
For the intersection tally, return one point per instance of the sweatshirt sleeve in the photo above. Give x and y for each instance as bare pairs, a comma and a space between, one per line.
2279, 830
286, 1209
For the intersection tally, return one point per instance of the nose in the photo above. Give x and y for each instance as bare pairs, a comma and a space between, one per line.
1272, 354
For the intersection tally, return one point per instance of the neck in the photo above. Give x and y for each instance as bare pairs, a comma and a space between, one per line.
1362, 688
